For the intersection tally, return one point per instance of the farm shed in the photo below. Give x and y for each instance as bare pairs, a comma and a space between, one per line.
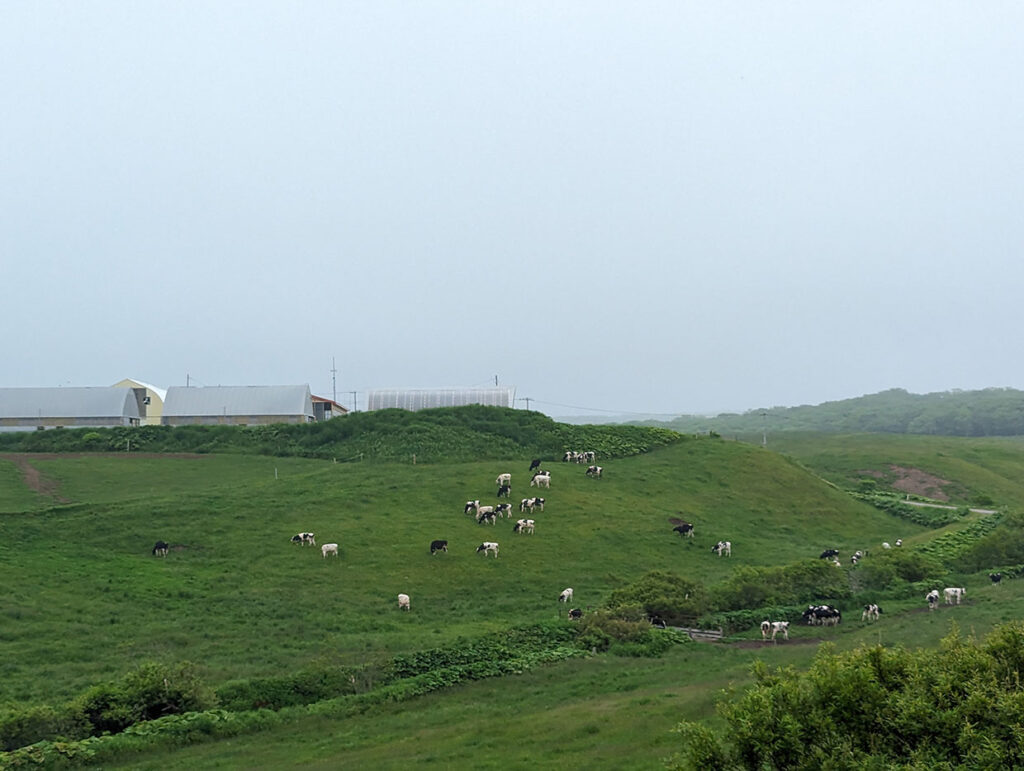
29, 409
237, 405
325, 409
150, 398
423, 398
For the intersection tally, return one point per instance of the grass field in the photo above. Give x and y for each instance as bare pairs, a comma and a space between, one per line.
88, 602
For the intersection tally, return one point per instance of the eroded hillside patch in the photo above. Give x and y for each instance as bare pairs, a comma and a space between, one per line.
918, 482
33, 479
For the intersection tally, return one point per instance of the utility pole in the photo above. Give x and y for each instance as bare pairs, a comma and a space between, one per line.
355, 404
495, 381
334, 381
526, 399
764, 429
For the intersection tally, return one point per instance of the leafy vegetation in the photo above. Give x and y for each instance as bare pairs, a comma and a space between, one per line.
989, 412
876, 707
450, 434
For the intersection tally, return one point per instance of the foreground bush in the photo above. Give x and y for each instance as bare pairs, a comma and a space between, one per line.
961, 707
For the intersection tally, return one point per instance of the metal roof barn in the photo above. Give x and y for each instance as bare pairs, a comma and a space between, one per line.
237, 405
24, 409
424, 398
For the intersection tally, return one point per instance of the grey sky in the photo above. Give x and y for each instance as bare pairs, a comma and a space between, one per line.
649, 207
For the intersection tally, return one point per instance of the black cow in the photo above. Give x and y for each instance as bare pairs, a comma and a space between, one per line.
436, 546
575, 614
996, 577
657, 621
535, 463
685, 529
160, 549
829, 554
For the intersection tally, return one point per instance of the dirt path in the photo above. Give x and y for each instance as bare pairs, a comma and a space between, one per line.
33, 479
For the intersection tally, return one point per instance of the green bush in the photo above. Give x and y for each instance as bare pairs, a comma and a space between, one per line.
757, 587
876, 707
26, 726
674, 599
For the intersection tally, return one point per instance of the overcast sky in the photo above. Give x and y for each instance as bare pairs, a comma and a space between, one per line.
660, 207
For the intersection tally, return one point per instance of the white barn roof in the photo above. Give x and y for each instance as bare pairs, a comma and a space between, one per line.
425, 398
238, 400
70, 402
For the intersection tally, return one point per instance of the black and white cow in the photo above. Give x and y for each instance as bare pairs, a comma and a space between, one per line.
471, 506
575, 614
722, 549
503, 510
566, 595
995, 577
505, 491
933, 599
306, 539
488, 546
829, 554
541, 480
871, 613
684, 529
594, 471
529, 504
503, 479
822, 615
436, 546
954, 594
160, 549
486, 514
524, 526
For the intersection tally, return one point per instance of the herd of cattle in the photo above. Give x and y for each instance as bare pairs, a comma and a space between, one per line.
815, 615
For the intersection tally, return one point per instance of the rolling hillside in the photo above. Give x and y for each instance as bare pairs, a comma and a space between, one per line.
237, 599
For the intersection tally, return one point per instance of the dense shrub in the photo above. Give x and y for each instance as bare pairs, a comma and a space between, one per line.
467, 433
961, 707
1003, 546
886, 569
674, 599
757, 587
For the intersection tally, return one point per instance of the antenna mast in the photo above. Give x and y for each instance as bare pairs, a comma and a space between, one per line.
334, 381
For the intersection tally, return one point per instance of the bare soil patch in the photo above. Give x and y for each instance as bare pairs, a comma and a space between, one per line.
917, 482
32, 478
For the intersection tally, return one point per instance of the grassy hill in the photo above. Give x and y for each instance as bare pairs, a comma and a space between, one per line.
988, 412
235, 597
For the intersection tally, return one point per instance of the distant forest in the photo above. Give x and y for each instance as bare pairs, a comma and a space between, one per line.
989, 412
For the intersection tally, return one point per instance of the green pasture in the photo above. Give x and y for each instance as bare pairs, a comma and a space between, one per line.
989, 467
235, 596
604, 712
86, 602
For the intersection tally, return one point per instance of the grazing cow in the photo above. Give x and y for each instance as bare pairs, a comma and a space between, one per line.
594, 471
829, 554
530, 504
822, 615
160, 549
329, 548
685, 529
523, 526
722, 549
436, 546
766, 628
403, 602
566, 595
503, 510
503, 479
535, 463
487, 546
870, 613
505, 491
569, 456
885, 545
954, 594
995, 577
780, 626
541, 480
933, 599
471, 506
899, 542
657, 621
306, 539
486, 514
575, 614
